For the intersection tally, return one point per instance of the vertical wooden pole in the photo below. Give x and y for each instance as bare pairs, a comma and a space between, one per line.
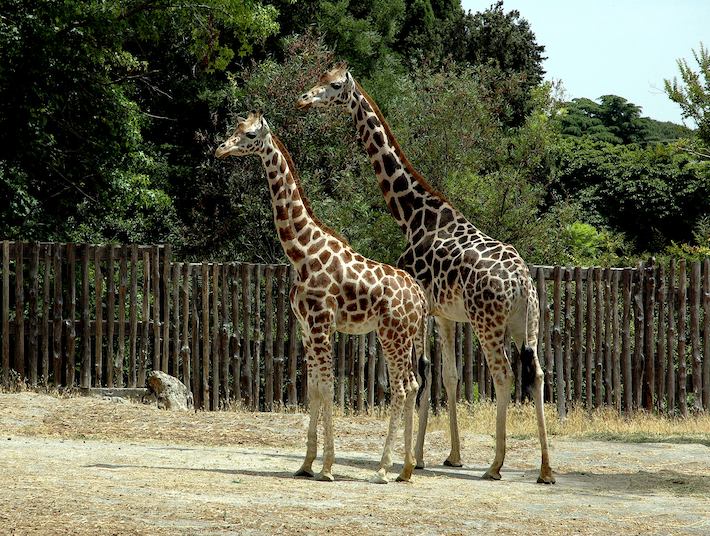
110, 312
342, 343
381, 377
608, 335
246, 345
185, 354
578, 335
661, 336
145, 317
468, 361
85, 323
352, 384
69, 322
122, 287
57, 312
638, 334
195, 339
167, 259
459, 360
362, 345
292, 364
544, 338
178, 367
626, 291
280, 354
98, 294
671, 338
268, 338
598, 339
616, 353
649, 357
34, 335
20, 311
6, 313
256, 367
236, 335
696, 358
45, 314
157, 355
371, 369
682, 374
589, 387
216, 363
206, 350
568, 333
224, 333
133, 319
557, 342
706, 334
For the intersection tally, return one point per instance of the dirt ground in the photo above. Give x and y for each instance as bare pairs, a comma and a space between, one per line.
90, 466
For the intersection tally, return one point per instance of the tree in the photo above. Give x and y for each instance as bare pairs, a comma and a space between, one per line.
692, 93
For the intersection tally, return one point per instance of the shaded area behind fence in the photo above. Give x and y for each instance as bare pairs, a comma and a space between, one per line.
105, 315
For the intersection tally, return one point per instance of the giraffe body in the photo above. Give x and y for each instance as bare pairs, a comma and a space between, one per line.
337, 289
467, 276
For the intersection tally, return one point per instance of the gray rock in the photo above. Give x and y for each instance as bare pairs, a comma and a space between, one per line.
169, 392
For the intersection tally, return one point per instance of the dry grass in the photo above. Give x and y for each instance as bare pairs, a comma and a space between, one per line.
603, 423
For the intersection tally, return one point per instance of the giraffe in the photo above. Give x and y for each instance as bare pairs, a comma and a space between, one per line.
466, 275
338, 289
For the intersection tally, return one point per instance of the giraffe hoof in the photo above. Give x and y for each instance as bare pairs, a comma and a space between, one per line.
406, 479
547, 479
304, 473
379, 478
490, 475
420, 465
449, 463
324, 477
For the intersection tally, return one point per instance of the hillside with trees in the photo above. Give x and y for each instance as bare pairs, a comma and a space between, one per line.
111, 113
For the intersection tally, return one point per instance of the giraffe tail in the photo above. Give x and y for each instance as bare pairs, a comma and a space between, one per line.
422, 361
528, 347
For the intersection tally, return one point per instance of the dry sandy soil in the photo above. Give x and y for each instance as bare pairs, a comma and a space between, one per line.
89, 466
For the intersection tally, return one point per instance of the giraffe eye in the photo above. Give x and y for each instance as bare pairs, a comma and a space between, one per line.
336, 85
251, 135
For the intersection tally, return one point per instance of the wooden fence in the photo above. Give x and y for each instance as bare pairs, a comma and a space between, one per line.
105, 315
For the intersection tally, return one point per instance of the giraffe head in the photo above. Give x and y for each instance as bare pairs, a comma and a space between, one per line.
249, 137
333, 89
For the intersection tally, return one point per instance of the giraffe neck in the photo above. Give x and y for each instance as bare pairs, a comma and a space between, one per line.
413, 203
295, 224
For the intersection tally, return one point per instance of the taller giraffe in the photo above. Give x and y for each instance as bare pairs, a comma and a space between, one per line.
467, 275
338, 289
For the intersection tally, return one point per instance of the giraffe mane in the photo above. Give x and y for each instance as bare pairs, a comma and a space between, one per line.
306, 202
398, 149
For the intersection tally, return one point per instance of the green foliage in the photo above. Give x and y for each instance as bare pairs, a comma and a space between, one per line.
692, 93
589, 246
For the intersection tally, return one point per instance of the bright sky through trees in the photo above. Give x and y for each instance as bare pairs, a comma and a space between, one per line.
620, 47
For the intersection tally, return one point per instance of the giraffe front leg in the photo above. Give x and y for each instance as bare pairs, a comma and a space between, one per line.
451, 383
326, 390
396, 407
314, 402
406, 474
546, 476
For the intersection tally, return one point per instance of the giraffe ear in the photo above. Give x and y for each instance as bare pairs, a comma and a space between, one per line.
240, 119
342, 65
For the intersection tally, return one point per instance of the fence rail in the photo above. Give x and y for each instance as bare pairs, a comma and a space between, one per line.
105, 315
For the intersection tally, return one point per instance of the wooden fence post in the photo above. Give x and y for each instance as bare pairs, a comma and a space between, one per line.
468, 361
280, 354
568, 333
292, 344
110, 311
661, 337
616, 354
638, 334
120, 363
185, 354
215, 355
133, 319
649, 358
85, 326
608, 336
578, 334
256, 367
33, 291
706, 334
57, 317
246, 378
46, 281
268, 338
598, 340
627, 293
19, 364
671, 339
6, 313
167, 259
206, 350
682, 374
559, 369
224, 334
69, 322
371, 369
590, 338
696, 358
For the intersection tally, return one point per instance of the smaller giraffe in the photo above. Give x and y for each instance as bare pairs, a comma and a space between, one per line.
338, 289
